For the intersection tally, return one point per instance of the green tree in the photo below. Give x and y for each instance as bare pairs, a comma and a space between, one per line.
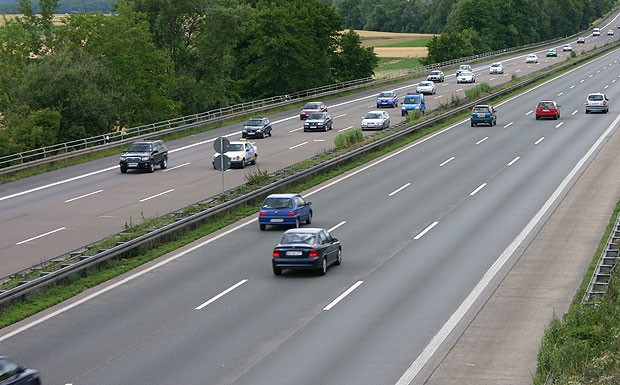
351, 60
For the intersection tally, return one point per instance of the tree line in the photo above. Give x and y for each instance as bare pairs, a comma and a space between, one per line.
152, 60
470, 27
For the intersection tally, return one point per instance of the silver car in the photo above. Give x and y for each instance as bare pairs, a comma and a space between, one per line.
466, 77
597, 102
426, 87
496, 68
376, 120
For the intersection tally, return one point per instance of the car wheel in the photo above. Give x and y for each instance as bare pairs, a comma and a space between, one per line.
537, 117
473, 124
262, 226
151, 167
323, 268
243, 163
309, 220
262, 136
338, 260
297, 222
164, 164
123, 169
270, 133
403, 113
587, 111
277, 271
494, 123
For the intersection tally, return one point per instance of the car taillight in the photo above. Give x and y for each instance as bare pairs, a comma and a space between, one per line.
313, 253
604, 102
587, 102
276, 253
292, 214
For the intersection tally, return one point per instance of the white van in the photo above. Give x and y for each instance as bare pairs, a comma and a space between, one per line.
596, 32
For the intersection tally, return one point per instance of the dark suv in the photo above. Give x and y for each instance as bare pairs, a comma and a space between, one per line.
145, 154
13, 374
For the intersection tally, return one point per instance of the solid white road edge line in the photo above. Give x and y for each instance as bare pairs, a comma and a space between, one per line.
233, 287
432, 347
341, 296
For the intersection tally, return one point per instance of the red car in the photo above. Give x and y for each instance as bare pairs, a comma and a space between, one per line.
547, 109
311, 107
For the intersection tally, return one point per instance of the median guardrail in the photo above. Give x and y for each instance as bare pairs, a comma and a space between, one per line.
83, 263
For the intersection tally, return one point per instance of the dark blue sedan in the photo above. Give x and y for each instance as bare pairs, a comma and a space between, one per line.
284, 209
306, 249
13, 374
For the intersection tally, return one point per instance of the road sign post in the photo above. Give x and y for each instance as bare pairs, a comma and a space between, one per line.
221, 162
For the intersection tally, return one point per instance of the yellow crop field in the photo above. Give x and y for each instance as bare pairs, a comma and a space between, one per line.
393, 44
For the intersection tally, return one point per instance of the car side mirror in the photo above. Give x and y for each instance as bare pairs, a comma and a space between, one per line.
334, 240
308, 203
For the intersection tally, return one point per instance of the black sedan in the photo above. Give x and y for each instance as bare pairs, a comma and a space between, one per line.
318, 121
306, 249
256, 128
13, 374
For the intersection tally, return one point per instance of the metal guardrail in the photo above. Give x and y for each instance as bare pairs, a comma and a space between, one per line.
19, 161
599, 283
48, 278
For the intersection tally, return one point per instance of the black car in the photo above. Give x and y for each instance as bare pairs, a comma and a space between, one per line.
318, 121
13, 374
145, 155
306, 249
256, 128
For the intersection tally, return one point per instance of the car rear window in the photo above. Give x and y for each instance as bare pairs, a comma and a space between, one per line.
545, 105
481, 109
595, 97
297, 238
278, 203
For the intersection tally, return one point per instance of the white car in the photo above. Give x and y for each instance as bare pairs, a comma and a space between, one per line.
610, 32
426, 87
596, 32
466, 77
567, 47
376, 120
532, 58
496, 68
240, 153
463, 67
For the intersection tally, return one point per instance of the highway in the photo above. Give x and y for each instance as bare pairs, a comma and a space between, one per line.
424, 229
51, 214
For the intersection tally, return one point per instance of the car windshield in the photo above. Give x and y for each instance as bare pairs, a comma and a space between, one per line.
434, 72
425, 84
278, 203
140, 147
312, 106
297, 238
235, 147
545, 105
385, 95
373, 115
254, 122
412, 99
315, 116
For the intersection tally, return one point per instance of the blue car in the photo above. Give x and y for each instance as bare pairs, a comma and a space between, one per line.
284, 209
412, 102
483, 114
387, 98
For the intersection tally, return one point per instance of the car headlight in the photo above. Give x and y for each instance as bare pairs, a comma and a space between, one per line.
123, 158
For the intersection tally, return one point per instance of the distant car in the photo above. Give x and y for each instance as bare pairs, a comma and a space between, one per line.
306, 249
376, 120
145, 155
284, 209
256, 128
581, 40
552, 53
547, 109
483, 113
462, 68
610, 32
597, 102
13, 374
387, 98
318, 121
596, 32
567, 48
241, 153
496, 68
531, 58
311, 107
466, 77
412, 102
436, 76
426, 87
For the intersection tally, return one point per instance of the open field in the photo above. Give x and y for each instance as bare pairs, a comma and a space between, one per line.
396, 45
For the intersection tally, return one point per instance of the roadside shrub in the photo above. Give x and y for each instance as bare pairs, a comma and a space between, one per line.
477, 91
413, 115
348, 138
256, 177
